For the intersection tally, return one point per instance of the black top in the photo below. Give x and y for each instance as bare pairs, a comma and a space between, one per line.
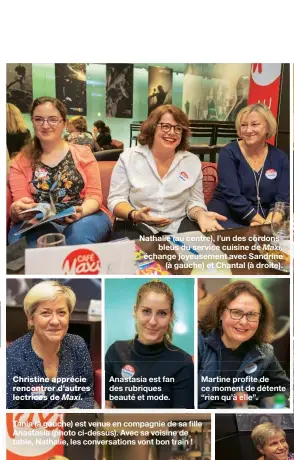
64, 181
155, 376
15, 141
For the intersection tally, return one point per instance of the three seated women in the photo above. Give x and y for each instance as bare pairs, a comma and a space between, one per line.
156, 187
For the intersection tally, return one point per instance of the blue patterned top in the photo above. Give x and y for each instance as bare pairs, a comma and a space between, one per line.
28, 387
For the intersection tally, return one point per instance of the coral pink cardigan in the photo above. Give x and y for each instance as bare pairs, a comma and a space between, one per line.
21, 174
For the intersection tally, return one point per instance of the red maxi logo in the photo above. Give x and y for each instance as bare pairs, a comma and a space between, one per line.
81, 262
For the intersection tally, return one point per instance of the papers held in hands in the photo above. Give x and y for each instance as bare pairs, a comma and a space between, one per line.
45, 212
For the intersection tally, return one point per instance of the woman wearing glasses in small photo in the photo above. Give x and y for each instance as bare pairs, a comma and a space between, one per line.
253, 174
234, 343
49, 166
156, 187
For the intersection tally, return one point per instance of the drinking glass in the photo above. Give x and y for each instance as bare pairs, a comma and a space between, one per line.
51, 240
280, 223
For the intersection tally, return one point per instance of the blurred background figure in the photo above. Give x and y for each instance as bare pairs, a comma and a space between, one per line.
102, 136
17, 132
242, 88
204, 299
78, 132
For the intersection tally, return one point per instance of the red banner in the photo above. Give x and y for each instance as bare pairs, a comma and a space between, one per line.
33, 436
265, 81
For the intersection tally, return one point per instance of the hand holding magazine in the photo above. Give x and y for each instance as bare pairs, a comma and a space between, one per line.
45, 212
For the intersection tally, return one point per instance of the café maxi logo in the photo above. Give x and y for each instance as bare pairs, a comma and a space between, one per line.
81, 262
19, 445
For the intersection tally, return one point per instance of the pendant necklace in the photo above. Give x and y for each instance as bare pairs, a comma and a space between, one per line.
257, 181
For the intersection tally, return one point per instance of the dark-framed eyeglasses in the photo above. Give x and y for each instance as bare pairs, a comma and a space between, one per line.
252, 316
166, 128
52, 121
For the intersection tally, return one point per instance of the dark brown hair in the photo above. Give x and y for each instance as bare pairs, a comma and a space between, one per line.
34, 149
160, 288
148, 128
226, 295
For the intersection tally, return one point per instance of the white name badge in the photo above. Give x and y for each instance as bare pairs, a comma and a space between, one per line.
250, 368
271, 174
116, 257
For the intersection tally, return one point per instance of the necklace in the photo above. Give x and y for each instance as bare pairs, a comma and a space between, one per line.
257, 179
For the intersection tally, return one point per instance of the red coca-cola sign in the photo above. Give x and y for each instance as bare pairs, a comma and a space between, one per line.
81, 262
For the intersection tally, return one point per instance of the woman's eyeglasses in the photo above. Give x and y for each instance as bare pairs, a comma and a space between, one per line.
52, 121
251, 316
166, 127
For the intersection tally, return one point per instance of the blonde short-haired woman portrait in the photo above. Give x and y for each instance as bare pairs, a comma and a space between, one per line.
253, 173
270, 440
47, 367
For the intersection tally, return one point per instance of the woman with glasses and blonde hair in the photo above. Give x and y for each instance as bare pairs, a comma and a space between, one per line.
156, 187
48, 168
148, 371
234, 351
270, 440
47, 367
17, 132
253, 174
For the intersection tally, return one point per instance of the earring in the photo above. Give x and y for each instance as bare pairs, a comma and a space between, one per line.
220, 326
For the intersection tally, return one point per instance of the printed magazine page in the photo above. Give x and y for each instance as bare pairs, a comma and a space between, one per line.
153, 319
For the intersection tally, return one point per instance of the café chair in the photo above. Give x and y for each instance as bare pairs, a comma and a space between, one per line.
205, 151
227, 131
135, 129
203, 130
108, 155
209, 181
117, 144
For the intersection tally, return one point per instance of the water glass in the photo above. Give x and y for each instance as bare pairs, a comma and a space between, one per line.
51, 240
280, 223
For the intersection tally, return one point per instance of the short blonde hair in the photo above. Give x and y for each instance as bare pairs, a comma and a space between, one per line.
265, 431
58, 457
263, 110
79, 123
46, 291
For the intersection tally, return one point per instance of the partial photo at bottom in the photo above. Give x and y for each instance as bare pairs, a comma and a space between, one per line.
254, 436
72, 436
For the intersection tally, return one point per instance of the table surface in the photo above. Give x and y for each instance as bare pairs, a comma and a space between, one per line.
223, 238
